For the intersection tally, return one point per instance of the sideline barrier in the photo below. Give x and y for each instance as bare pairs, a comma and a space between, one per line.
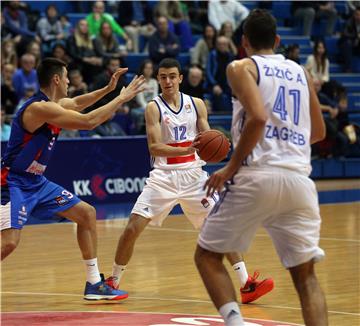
113, 170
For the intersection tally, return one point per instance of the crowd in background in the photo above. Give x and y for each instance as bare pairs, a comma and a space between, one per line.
110, 31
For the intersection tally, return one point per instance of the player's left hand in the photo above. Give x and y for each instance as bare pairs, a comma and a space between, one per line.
217, 180
115, 77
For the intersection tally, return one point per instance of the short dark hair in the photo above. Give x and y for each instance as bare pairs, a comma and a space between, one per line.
169, 63
47, 69
260, 29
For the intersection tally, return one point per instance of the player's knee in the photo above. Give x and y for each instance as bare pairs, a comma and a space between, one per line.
199, 256
132, 230
88, 217
303, 277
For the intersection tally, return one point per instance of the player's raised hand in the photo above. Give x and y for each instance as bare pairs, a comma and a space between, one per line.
136, 86
115, 78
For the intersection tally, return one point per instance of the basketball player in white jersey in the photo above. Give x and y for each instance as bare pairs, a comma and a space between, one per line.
173, 120
276, 118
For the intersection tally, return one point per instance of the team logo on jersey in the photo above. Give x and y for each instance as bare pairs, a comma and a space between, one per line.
188, 108
60, 200
205, 203
22, 215
23, 212
166, 118
51, 143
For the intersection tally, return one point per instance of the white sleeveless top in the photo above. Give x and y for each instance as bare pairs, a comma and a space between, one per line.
285, 93
178, 129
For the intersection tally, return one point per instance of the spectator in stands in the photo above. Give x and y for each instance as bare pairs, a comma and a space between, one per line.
350, 40
307, 11
66, 26
9, 98
220, 11
193, 83
349, 129
50, 29
34, 48
106, 43
5, 126
59, 51
77, 85
29, 91
178, 21
336, 142
163, 43
103, 78
216, 79
318, 64
151, 90
198, 15
82, 50
137, 18
8, 53
25, 77
5, 31
98, 16
227, 31
110, 127
293, 53
16, 21
200, 52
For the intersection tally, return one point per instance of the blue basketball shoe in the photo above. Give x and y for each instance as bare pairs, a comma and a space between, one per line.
102, 291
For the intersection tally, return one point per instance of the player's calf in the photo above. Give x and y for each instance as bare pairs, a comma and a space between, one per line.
10, 239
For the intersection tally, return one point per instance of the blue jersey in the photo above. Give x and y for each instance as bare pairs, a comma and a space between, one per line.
25, 192
29, 153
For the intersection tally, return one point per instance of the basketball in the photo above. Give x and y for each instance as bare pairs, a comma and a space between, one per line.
213, 147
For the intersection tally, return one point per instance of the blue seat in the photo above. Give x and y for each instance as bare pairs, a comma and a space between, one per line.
331, 44
184, 59
282, 9
134, 60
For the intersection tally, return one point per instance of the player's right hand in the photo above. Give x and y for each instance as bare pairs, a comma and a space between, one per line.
135, 87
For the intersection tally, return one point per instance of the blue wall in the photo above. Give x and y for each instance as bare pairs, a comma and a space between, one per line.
113, 170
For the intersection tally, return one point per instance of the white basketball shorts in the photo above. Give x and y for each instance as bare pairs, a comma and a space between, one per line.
166, 188
284, 202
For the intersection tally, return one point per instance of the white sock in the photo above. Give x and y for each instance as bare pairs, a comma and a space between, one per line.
117, 273
92, 271
241, 272
231, 314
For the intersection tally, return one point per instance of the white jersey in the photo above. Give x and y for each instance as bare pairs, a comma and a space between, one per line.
285, 94
178, 129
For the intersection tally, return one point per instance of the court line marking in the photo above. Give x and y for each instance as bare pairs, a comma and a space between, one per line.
176, 300
148, 313
256, 235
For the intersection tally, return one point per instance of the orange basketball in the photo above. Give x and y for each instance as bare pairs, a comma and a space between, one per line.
213, 147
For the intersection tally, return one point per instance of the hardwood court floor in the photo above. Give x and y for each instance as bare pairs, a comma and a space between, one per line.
45, 273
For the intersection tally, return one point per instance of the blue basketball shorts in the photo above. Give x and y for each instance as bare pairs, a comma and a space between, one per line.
24, 198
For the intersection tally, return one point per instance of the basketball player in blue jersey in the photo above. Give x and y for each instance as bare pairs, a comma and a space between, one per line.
276, 117
25, 192
173, 119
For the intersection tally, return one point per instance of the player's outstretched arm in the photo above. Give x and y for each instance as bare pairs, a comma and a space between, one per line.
153, 131
318, 130
39, 113
81, 102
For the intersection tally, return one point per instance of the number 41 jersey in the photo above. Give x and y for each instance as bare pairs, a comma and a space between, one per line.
285, 94
178, 129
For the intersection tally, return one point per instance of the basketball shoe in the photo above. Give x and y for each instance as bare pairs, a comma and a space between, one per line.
102, 291
110, 282
255, 289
